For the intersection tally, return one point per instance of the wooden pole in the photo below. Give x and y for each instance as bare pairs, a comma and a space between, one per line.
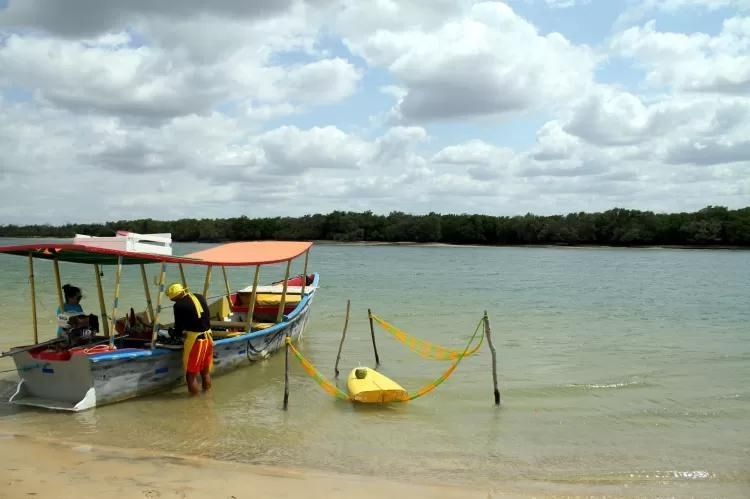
59, 284
118, 275
372, 333
280, 313
33, 299
155, 323
343, 335
304, 276
102, 305
253, 296
226, 281
207, 282
286, 371
488, 333
150, 306
182, 276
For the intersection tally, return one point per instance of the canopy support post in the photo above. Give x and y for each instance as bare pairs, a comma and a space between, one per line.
148, 294
253, 296
33, 299
226, 280
207, 282
56, 265
182, 276
280, 313
118, 275
304, 276
155, 326
102, 305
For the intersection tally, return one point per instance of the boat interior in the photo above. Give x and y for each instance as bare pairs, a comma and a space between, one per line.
135, 330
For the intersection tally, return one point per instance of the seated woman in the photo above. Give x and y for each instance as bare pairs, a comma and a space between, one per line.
72, 317
71, 307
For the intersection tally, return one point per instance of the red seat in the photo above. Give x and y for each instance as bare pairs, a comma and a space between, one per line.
48, 354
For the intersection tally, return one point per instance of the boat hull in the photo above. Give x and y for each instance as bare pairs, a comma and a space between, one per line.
86, 381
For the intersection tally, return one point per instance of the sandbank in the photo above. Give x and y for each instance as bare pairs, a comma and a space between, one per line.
36, 467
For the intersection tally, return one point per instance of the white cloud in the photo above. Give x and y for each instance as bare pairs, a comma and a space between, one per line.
692, 62
139, 81
149, 82
161, 67
289, 150
481, 161
434, 65
84, 17
118, 113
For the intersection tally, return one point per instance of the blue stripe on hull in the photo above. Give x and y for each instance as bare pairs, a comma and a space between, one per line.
119, 377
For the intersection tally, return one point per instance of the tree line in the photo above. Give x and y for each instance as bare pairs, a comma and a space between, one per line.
712, 226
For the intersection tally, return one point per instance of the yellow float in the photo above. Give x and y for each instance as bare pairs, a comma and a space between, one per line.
370, 387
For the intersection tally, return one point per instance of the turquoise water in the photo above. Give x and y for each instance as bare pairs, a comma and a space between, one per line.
622, 371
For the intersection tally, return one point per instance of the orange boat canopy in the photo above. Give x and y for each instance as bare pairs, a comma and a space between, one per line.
251, 253
231, 254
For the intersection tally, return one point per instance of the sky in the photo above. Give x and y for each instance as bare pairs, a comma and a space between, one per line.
115, 110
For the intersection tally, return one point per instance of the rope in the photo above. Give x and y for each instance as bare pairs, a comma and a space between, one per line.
424, 349
447, 374
326, 385
335, 392
99, 349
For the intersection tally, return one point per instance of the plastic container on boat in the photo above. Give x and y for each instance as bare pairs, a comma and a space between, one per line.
160, 244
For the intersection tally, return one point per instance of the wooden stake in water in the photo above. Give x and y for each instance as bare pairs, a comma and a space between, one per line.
372, 333
286, 372
488, 333
343, 335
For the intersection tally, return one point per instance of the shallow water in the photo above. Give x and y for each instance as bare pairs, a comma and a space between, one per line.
622, 371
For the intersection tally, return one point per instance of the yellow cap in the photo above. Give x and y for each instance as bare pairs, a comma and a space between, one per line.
175, 291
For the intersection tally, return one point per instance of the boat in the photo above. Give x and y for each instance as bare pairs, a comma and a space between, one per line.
134, 354
368, 386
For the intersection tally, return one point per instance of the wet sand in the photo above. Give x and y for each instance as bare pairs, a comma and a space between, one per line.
34, 467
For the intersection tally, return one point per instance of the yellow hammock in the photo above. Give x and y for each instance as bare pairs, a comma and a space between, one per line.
336, 392
423, 348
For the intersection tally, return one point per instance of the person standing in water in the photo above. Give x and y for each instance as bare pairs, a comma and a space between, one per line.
192, 320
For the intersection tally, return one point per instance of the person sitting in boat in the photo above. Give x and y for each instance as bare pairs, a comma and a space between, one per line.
71, 308
191, 319
72, 317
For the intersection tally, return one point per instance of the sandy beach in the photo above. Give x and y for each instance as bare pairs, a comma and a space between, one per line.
35, 467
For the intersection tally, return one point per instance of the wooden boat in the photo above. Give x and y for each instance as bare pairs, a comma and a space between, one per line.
134, 354
370, 387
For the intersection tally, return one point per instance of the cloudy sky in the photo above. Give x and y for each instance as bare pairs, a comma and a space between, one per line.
168, 109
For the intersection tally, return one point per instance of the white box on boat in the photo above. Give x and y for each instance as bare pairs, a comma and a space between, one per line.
160, 244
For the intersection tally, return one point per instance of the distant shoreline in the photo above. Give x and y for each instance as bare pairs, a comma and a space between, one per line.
332, 242
563, 246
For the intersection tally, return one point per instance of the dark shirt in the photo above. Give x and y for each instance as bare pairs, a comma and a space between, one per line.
186, 318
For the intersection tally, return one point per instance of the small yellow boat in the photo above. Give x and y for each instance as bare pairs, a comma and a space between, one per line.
370, 387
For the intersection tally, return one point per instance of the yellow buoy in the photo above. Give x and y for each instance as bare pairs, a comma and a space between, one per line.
370, 387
